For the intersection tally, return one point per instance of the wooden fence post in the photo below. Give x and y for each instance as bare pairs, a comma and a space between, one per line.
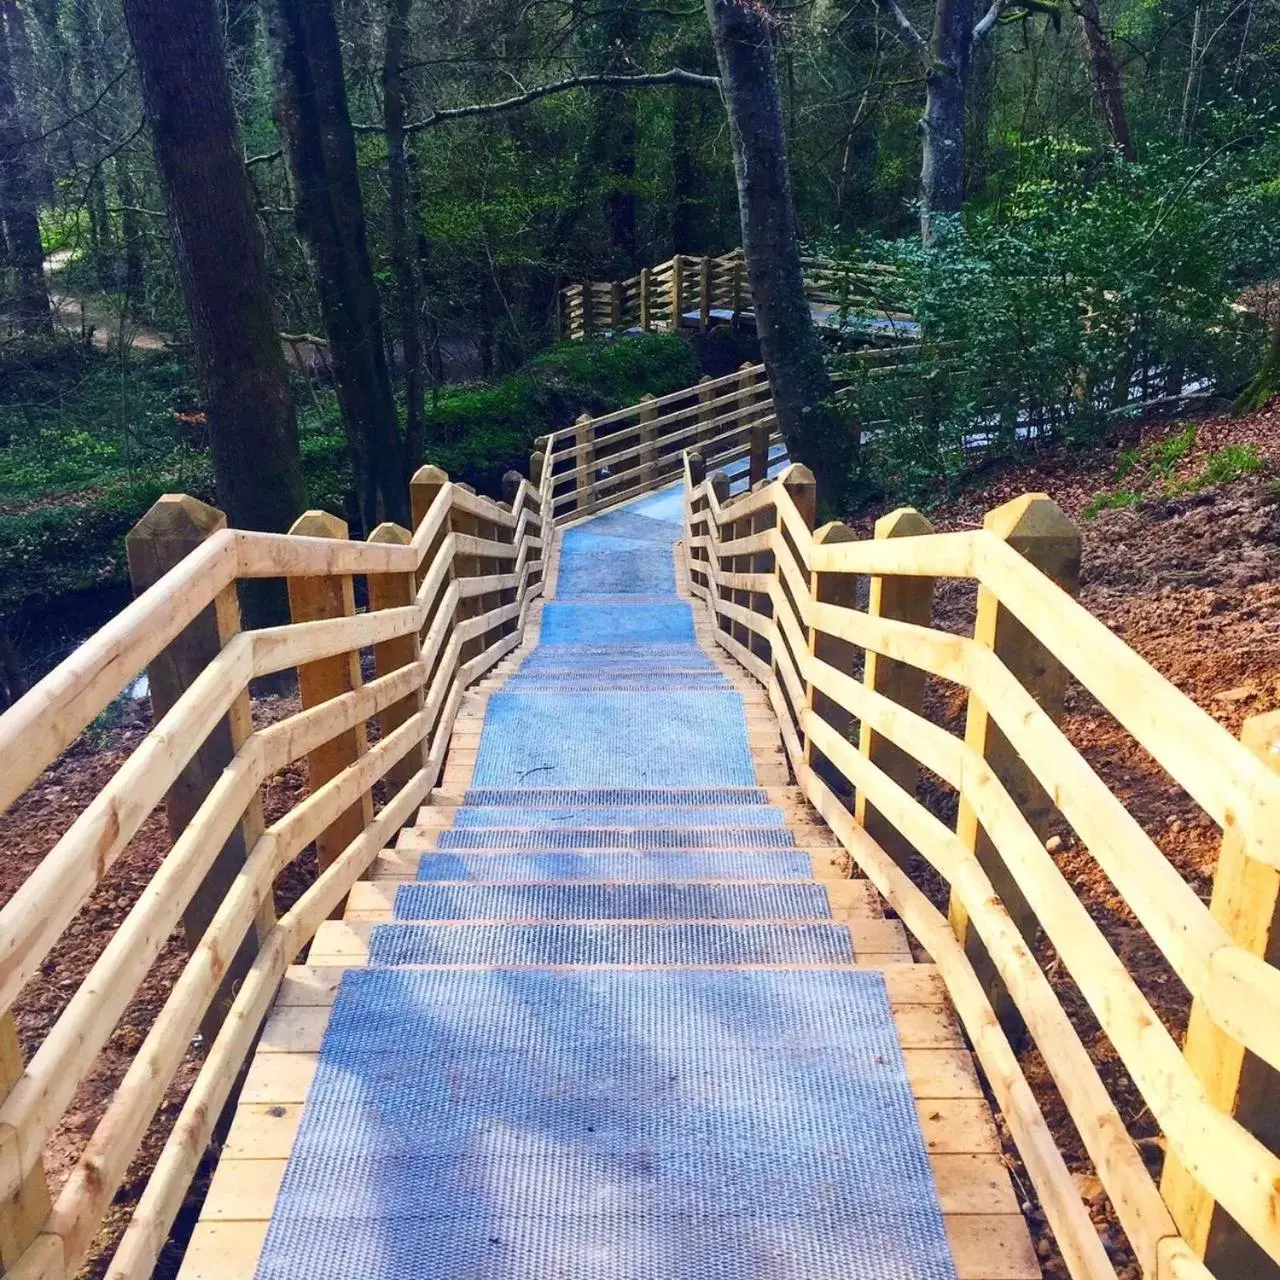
585, 460
1246, 902
174, 527
704, 294
904, 599
644, 300
393, 591
426, 484
1034, 526
677, 292
310, 599
21, 1217
648, 444
838, 589
737, 290
615, 307
706, 414
757, 430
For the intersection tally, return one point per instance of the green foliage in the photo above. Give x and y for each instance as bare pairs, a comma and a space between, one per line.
1060, 307
88, 442
1224, 465
1115, 500
478, 433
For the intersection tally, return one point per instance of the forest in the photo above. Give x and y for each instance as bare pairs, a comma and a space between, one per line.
278, 254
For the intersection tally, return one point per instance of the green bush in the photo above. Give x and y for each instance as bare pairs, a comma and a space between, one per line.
1053, 310
87, 443
478, 433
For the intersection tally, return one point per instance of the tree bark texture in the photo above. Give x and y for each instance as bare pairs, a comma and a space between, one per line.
947, 62
320, 148
401, 216
19, 183
1105, 76
789, 343
222, 266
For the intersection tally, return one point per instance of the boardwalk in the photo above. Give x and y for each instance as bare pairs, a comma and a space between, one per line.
610, 1008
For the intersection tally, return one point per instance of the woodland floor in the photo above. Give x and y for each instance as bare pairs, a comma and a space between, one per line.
1192, 583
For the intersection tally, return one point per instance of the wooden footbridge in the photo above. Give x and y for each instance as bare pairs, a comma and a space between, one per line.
633, 950
692, 291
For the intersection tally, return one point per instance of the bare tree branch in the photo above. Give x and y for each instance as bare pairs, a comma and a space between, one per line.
265, 158
447, 115
906, 28
989, 19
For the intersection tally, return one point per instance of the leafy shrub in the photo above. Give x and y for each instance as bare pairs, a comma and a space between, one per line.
1058, 308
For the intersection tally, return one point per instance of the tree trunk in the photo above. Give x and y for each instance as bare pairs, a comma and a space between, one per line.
1264, 384
222, 265
1106, 77
401, 214
946, 77
619, 111
320, 147
130, 231
789, 343
19, 199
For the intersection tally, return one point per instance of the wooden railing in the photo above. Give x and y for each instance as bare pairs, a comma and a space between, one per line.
694, 292
601, 461
445, 602
839, 632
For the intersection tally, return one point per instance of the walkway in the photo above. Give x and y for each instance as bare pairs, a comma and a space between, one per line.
611, 1010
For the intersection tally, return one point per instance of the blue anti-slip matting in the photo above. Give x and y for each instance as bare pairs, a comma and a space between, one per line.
609, 944
612, 902
669, 815
581, 839
660, 739
520, 868
609, 1126
590, 622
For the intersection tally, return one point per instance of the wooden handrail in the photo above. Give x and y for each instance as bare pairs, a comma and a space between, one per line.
1234, 987
461, 602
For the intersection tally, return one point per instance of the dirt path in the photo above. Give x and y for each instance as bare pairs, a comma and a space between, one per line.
74, 314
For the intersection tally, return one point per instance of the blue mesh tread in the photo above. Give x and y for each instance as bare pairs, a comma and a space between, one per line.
609, 1126
653, 815
583, 838
612, 902
616, 795
527, 868
609, 944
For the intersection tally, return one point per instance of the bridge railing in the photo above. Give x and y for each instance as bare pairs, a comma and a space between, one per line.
840, 633
608, 459
445, 601
692, 291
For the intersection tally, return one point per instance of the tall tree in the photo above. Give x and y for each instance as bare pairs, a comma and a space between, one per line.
789, 343
947, 56
19, 197
402, 216
1105, 76
221, 262
320, 147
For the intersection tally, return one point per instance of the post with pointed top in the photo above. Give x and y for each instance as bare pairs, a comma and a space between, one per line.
310, 599
837, 589
704, 294
904, 599
584, 462
645, 323
798, 482
706, 414
1035, 527
423, 489
174, 527
756, 424
697, 519
648, 443
1246, 903
393, 591
615, 307
677, 292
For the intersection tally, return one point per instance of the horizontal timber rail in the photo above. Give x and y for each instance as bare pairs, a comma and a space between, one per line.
692, 292
445, 601
839, 631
